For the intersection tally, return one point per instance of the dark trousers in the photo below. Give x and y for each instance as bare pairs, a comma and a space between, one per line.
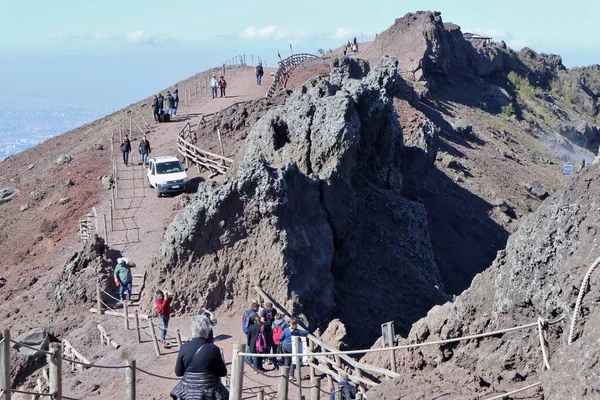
223, 91
287, 361
126, 157
258, 363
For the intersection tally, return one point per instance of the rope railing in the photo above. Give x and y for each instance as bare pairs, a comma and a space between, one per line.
582, 290
32, 393
30, 347
156, 375
505, 395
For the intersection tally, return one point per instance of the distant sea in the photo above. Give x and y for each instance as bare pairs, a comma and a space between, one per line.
25, 121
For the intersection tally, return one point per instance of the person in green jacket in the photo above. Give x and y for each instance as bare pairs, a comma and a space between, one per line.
123, 278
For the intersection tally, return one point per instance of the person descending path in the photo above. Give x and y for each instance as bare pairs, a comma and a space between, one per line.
222, 85
124, 279
259, 73
155, 107
170, 102
201, 366
214, 85
344, 386
126, 149
161, 104
175, 101
279, 324
144, 150
285, 339
248, 319
163, 312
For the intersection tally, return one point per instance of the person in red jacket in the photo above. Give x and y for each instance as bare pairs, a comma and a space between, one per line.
163, 312
223, 85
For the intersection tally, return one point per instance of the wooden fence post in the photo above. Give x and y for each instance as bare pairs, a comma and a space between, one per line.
282, 387
390, 334
311, 360
154, 338
105, 230
99, 297
136, 318
130, 130
126, 315
359, 396
110, 215
55, 361
178, 337
130, 379
237, 373
260, 395
315, 392
338, 394
298, 360
6, 384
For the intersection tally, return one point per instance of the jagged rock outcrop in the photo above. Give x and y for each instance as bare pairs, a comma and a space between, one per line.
76, 286
313, 214
538, 275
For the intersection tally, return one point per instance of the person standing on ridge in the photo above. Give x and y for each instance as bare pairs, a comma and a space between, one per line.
125, 149
123, 278
285, 339
259, 74
214, 85
155, 107
247, 320
222, 85
170, 102
161, 103
144, 149
163, 312
175, 101
257, 329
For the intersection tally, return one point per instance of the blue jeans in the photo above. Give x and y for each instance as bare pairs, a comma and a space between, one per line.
163, 324
144, 158
125, 286
248, 358
259, 79
214, 91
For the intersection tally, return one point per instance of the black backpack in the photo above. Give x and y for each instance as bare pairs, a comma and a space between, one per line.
347, 392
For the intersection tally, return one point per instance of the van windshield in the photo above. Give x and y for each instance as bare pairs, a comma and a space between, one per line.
169, 167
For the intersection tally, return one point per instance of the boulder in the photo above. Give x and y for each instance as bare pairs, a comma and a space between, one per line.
64, 200
335, 334
538, 189
24, 207
107, 182
7, 194
421, 146
462, 127
63, 159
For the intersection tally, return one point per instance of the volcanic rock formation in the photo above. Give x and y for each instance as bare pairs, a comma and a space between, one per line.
313, 214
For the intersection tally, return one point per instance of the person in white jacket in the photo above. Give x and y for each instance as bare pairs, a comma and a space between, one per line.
214, 86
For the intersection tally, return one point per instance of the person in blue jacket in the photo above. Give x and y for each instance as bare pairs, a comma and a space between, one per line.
285, 339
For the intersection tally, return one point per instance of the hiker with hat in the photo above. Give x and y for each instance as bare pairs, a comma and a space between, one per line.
214, 85
162, 302
175, 101
170, 101
123, 278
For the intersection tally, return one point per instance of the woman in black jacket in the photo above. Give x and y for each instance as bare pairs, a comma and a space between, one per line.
253, 331
201, 365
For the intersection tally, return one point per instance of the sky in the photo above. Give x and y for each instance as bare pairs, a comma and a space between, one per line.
128, 49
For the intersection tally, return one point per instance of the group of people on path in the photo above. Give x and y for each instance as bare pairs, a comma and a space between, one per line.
171, 101
144, 149
351, 46
215, 84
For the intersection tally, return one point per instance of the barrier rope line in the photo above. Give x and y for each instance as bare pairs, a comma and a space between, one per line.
33, 393
95, 365
541, 324
31, 347
505, 395
156, 375
582, 290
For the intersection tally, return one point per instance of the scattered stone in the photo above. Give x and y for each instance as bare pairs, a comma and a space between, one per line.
64, 200
462, 127
454, 164
98, 146
69, 183
107, 182
24, 207
39, 238
6, 195
507, 209
537, 189
30, 166
63, 159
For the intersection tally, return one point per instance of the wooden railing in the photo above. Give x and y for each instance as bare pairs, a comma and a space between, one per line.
285, 68
333, 366
186, 145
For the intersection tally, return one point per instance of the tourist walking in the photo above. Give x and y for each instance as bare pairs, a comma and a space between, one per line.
170, 102
248, 319
163, 312
161, 103
222, 85
175, 101
123, 278
144, 150
214, 85
344, 386
257, 342
285, 339
155, 107
201, 366
126, 149
213, 321
277, 327
259, 73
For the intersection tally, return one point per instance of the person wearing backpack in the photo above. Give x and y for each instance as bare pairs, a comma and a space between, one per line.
344, 386
277, 327
285, 339
248, 319
259, 74
258, 342
125, 149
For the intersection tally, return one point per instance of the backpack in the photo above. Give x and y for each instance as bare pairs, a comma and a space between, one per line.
259, 70
124, 146
347, 392
246, 320
276, 333
261, 341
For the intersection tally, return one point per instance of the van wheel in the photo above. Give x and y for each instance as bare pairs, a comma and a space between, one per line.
158, 193
149, 184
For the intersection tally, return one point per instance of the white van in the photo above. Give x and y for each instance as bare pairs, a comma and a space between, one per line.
167, 175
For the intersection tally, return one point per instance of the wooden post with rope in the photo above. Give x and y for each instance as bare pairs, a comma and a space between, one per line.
105, 230
5, 365
260, 395
136, 318
237, 373
178, 337
298, 360
110, 215
126, 315
154, 338
311, 360
130, 379
390, 332
338, 394
55, 361
99, 297
282, 386
221, 144
315, 392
